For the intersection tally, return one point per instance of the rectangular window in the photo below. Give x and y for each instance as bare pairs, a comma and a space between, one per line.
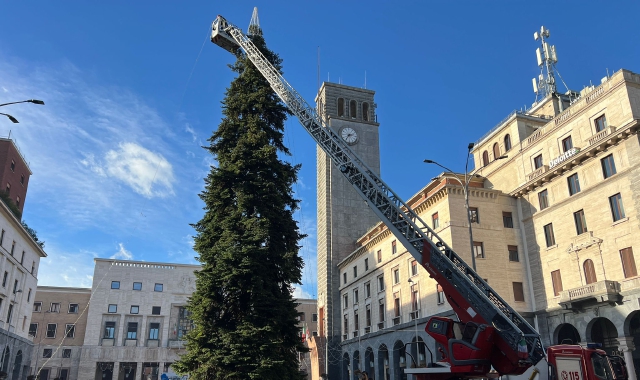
33, 329
22, 179
356, 321
367, 290
581, 222
543, 199
13, 166
70, 330
46, 353
113, 308
302, 317
54, 308
64, 373
379, 256
344, 278
507, 219
13, 247
135, 309
574, 184
381, 310
132, 330
608, 166
29, 296
414, 268
4, 279
518, 292
314, 317
435, 220
356, 297
1, 237
115, 284
66, 353
513, 253
440, 295
51, 330
414, 298
155, 310
154, 331
478, 249
73, 308
366, 265
396, 304
628, 262
9, 314
380, 283
355, 271
137, 286
109, 330
567, 144
556, 281
37, 307
394, 249
345, 301
617, 209
537, 162
346, 324
22, 258
15, 286
396, 276
475, 216
600, 123
548, 235
367, 316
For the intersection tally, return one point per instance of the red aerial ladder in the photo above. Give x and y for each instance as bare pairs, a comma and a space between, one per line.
490, 334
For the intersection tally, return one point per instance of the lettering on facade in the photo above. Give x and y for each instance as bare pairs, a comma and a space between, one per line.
566, 155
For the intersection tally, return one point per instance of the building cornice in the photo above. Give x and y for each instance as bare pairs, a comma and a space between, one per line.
146, 264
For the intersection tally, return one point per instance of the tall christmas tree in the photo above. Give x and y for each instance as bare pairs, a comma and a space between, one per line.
244, 314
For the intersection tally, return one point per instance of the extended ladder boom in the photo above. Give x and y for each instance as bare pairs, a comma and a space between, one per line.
469, 295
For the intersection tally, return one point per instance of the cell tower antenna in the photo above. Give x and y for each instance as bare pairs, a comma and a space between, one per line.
254, 24
545, 84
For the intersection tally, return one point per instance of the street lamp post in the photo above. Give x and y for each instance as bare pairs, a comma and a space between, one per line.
465, 189
13, 119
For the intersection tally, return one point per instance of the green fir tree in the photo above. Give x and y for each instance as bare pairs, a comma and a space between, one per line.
244, 314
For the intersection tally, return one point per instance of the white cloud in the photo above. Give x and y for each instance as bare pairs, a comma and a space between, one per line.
140, 169
122, 253
298, 292
66, 269
191, 131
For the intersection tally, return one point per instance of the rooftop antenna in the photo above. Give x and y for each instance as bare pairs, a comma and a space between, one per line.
254, 24
545, 84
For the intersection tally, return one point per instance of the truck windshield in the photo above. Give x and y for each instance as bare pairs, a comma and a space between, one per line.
601, 367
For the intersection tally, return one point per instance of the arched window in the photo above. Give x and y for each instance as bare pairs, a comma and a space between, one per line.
340, 107
496, 151
507, 143
485, 158
365, 111
352, 109
589, 272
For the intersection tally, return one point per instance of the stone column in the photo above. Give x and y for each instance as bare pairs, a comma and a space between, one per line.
625, 344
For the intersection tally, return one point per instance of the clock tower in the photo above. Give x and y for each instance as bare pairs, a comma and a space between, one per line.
343, 215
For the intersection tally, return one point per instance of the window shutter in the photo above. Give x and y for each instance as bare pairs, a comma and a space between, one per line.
628, 263
589, 272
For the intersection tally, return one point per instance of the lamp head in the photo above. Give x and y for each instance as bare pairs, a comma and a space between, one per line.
471, 145
36, 101
428, 161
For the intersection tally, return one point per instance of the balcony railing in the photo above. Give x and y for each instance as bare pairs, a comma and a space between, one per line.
538, 172
602, 134
380, 325
355, 334
177, 343
367, 329
414, 314
601, 291
396, 321
345, 336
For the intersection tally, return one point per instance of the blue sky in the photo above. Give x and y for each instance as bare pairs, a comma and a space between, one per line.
133, 89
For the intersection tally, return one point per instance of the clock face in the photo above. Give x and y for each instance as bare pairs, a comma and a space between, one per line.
349, 135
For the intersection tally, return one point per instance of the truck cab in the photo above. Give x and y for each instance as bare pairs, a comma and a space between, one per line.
574, 362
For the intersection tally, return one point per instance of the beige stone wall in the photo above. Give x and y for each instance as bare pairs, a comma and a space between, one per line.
46, 295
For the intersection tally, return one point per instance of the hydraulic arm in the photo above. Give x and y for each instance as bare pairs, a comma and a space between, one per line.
471, 298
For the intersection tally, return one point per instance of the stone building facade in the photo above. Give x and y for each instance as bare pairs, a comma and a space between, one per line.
57, 327
350, 113
136, 319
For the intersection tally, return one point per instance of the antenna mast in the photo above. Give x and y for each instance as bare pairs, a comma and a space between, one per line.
254, 24
545, 84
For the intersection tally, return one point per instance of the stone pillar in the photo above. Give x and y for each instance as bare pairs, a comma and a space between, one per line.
625, 344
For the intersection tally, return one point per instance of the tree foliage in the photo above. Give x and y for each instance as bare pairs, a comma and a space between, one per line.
33, 233
244, 314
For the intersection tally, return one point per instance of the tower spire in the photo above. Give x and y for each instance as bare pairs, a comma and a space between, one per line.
254, 24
